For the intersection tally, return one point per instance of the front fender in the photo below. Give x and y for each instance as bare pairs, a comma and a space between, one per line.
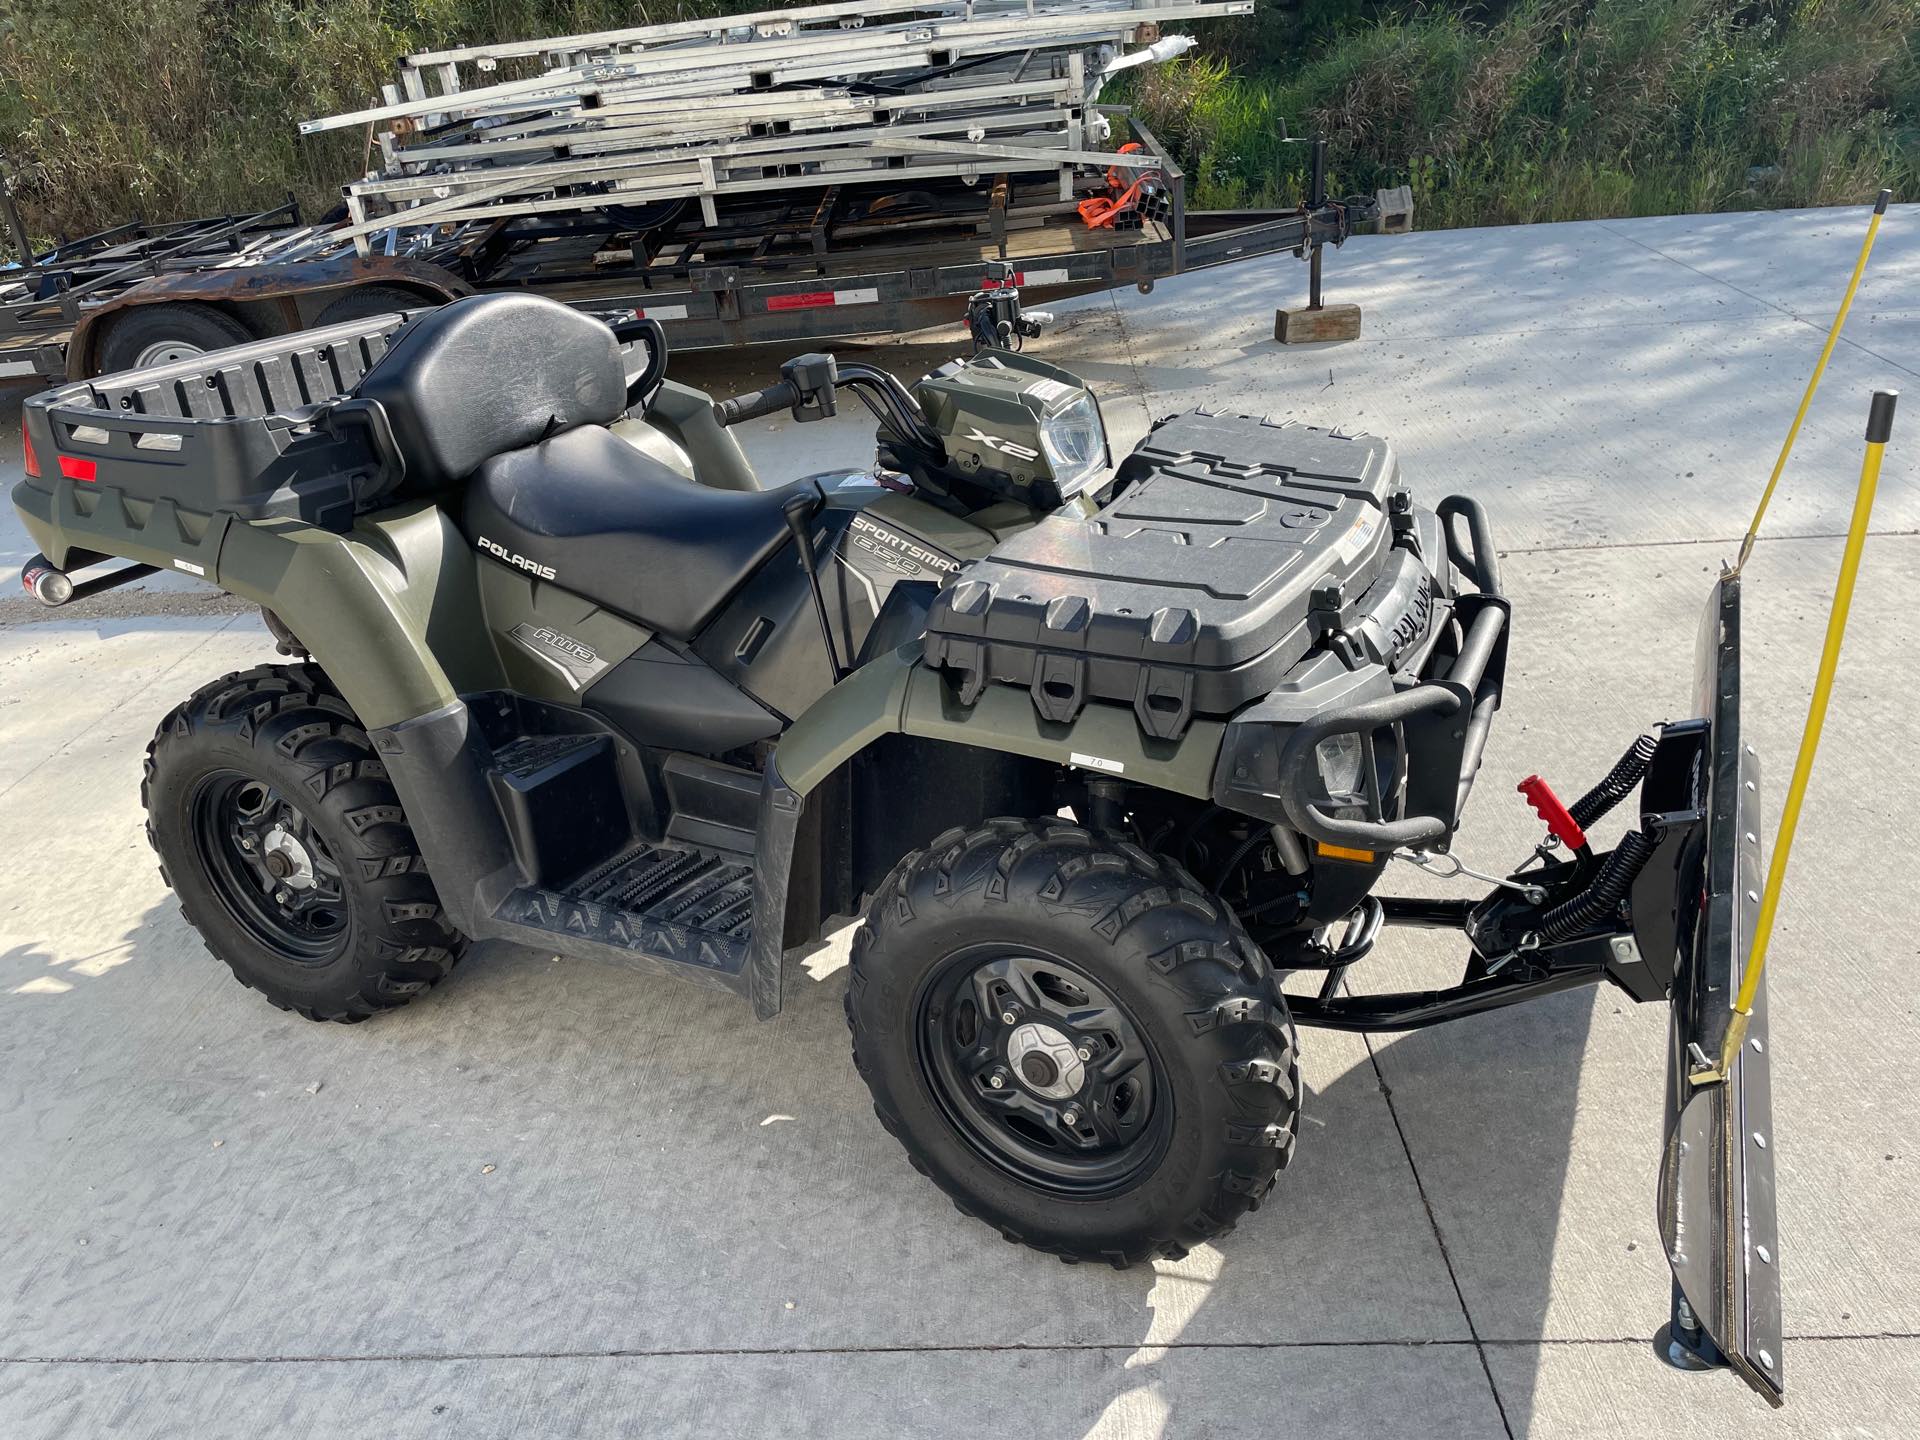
895, 693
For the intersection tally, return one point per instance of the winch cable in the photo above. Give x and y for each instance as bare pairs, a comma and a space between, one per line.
1813, 382
1879, 430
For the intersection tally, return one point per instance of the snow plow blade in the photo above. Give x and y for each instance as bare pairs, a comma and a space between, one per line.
1718, 1218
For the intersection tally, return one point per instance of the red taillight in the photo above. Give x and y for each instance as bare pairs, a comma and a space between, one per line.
31, 461
74, 468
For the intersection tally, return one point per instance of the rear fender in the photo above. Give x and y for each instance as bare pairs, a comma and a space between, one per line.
389, 610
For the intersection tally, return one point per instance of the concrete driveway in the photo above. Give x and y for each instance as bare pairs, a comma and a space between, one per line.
554, 1199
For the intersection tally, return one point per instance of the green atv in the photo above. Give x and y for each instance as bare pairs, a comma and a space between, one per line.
1101, 754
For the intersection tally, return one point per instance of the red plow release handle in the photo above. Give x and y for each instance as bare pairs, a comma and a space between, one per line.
1547, 806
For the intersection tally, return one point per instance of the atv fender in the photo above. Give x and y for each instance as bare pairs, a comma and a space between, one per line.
386, 610
895, 693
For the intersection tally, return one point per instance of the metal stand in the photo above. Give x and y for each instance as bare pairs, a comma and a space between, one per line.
1318, 321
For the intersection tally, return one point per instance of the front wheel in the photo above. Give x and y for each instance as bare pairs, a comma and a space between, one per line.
1074, 1041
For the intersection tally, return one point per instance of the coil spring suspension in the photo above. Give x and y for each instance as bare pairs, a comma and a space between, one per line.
1600, 900
1618, 784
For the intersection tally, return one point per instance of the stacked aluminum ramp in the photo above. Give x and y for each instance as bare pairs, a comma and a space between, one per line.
864, 93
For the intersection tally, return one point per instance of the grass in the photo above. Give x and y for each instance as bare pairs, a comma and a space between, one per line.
1559, 111
1499, 112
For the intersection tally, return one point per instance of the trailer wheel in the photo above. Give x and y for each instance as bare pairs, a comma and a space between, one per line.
370, 300
161, 334
281, 835
1073, 1040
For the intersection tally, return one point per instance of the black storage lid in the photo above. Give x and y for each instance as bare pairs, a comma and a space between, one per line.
1224, 527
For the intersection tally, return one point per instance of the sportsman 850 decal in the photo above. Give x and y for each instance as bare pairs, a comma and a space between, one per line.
897, 552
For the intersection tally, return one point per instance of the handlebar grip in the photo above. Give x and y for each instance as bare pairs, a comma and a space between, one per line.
1547, 806
781, 395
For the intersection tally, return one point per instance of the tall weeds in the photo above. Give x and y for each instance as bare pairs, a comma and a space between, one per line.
1568, 109
1495, 112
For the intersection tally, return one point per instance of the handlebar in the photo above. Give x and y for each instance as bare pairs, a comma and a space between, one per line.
781, 395
808, 392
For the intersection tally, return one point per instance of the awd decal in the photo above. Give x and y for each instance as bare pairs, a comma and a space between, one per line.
532, 567
1005, 447
576, 662
897, 552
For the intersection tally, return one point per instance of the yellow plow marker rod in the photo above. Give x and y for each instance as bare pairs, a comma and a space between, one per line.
1879, 427
1813, 382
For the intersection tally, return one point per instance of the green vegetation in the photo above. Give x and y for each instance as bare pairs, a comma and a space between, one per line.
1558, 109
1493, 112
168, 108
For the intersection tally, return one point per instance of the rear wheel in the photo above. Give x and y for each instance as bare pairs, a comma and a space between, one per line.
1073, 1040
278, 829
161, 334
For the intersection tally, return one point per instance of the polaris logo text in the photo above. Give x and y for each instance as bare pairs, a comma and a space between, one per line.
1005, 447
532, 567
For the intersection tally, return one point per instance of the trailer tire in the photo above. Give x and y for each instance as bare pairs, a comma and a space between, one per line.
271, 763
158, 334
1160, 977
368, 301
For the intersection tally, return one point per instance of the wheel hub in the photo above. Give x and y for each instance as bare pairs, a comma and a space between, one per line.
287, 860
1045, 1060
165, 352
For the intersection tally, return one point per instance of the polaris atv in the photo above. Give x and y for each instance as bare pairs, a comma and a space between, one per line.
1101, 754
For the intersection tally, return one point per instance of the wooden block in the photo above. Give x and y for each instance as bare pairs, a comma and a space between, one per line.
1306, 326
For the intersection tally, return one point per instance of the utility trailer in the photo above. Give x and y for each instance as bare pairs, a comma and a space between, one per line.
859, 260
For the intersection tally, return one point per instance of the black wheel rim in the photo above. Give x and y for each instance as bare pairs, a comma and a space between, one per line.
1042, 1071
270, 869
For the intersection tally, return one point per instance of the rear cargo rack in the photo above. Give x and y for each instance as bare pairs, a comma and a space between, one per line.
258, 431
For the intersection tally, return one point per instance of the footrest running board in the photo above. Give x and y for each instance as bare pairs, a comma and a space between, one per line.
690, 909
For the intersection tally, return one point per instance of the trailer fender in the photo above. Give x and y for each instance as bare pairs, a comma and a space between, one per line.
245, 288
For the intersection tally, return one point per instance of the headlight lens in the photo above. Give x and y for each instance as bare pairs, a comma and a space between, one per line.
1339, 758
1075, 442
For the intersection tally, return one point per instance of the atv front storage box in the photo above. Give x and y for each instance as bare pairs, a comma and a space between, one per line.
1236, 544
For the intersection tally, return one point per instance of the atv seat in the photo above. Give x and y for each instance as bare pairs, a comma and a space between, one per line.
489, 374
617, 526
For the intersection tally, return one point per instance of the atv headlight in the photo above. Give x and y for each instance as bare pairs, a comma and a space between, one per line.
1339, 758
1075, 440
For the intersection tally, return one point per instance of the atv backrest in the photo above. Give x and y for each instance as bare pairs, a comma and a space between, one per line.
489, 374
